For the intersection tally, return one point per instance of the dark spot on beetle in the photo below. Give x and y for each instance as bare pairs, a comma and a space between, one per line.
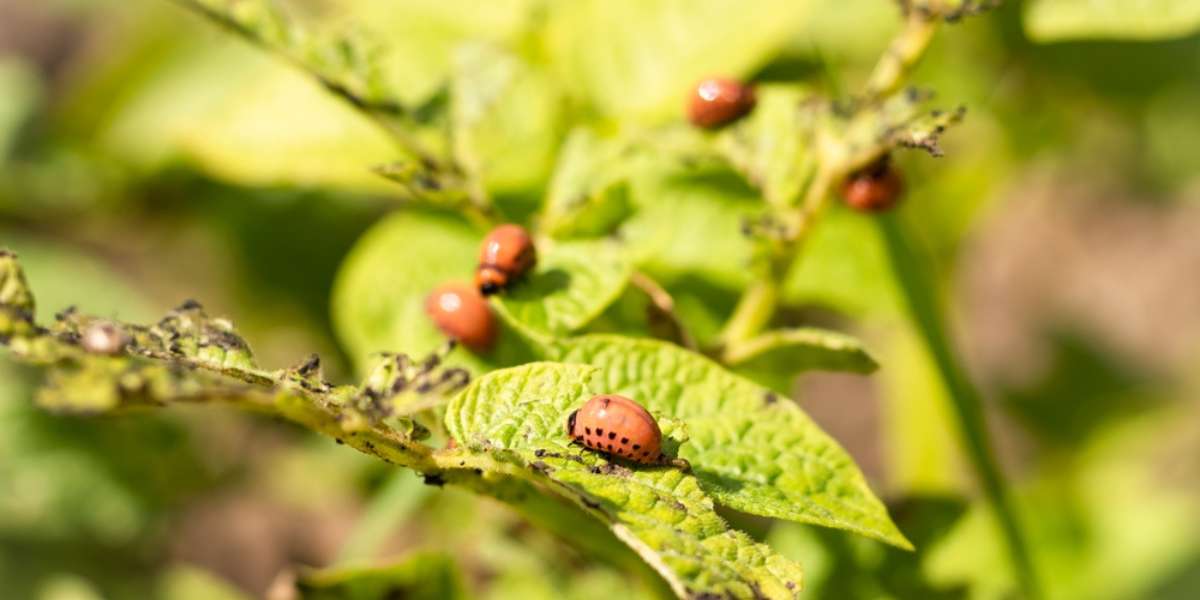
434, 479
612, 435
624, 440
637, 446
599, 431
645, 453
606, 402
770, 398
587, 430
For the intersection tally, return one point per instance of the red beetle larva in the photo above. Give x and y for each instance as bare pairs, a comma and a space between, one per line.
461, 313
506, 254
873, 189
618, 426
717, 101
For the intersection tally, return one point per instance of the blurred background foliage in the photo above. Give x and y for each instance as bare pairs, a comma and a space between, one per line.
147, 156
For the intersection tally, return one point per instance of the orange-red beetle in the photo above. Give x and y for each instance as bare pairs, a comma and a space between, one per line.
618, 426
461, 313
717, 101
873, 189
506, 254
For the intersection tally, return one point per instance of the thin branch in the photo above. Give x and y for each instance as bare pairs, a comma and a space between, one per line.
902, 55
662, 301
918, 287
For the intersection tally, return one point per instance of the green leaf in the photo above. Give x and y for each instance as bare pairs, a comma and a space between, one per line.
379, 295
772, 147
1058, 20
691, 225
589, 193
791, 351
282, 129
750, 449
640, 58
572, 284
506, 118
843, 265
518, 416
420, 576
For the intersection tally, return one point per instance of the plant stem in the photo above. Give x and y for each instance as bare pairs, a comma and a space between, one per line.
662, 301
918, 288
753, 312
902, 54
758, 303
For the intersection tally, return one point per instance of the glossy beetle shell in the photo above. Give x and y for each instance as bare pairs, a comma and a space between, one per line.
874, 189
506, 253
618, 426
717, 101
461, 313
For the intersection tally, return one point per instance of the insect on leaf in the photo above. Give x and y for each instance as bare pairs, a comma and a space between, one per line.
379, 296
749, 449
518, 415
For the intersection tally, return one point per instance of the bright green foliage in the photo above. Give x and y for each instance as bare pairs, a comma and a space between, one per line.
772, 146
518, 415
638, 58
572, 283
786, 352
843, 266
505, 118
751, 449
1056, 20
483, 132
589, 194
690, 224
379, 298
419, 577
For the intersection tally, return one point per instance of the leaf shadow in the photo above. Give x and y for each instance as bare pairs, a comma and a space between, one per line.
540, 284
712, 479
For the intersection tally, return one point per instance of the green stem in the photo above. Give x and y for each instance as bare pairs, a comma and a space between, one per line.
759, 301
918, 287
753, 312
902, 55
